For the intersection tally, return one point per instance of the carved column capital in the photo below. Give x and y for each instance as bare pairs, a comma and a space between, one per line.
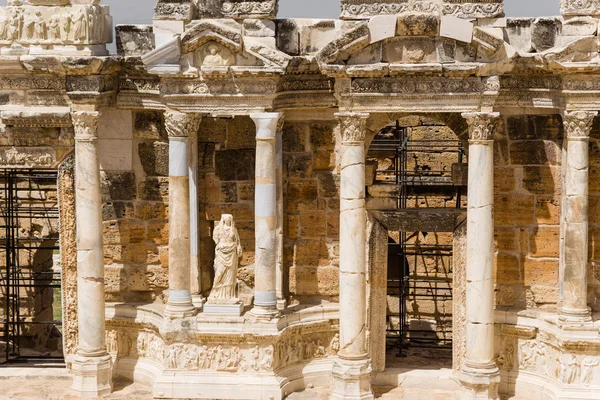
353, 126
85, 124
280, 123
578, 124
481, 125
180, 124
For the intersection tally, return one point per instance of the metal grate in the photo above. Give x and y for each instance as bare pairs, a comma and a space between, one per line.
404, 283
30, 277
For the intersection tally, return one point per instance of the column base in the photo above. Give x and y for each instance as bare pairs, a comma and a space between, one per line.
574, 318
264, 313
198, 301
92, 376
180, 310
351, 380
480, 382
281, 304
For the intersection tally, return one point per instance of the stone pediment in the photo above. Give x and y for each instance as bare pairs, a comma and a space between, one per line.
414, 43
217, 48
365, 9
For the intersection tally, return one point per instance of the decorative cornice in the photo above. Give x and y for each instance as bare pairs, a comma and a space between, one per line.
580, 7
481, 125
180, 124
353, 126
578, 123
85, 124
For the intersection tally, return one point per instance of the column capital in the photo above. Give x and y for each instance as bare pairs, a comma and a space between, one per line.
280, 123
578, 124
353, 126
85, 124
267, 124
481, 125
180, 124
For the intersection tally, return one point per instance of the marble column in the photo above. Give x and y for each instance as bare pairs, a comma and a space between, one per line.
91, 364
195, 276
573, 286
179, 127
479, 374
352, 367
265, 217
281, 301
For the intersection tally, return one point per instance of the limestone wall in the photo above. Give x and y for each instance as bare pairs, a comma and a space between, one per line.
527, 208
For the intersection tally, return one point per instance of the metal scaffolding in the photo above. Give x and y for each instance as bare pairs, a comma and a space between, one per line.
29, 275
404, 282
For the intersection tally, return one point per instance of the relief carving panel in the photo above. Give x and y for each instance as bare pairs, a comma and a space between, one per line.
364, 9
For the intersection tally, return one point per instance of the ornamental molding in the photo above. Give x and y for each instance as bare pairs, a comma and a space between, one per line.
580, 7
578, 124
250, 9
414, 85
220, 87
85, 124
353, 126
365, 9
178, 124
36, 118
523, 332
481, 125
346, 45
201, 32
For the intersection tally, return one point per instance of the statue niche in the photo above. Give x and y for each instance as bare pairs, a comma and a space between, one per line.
228, 250
214, 55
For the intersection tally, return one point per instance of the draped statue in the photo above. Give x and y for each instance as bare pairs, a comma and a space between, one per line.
227, 254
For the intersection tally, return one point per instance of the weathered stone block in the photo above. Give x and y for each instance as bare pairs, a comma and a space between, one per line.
540, 272
514, 209
313, 224
118, 186
302, 191
154, 157
535, 152
148, 125
235, 165
505, 239
134, 40
322, 281
504, 179
531, 127
241, 133
322, 136
547, 210
154, 189
311, 253
544, 241
541, 180
228, 192
418, 24
294, 138
508, 270
298, 165
544, 33
117, 210
213, 130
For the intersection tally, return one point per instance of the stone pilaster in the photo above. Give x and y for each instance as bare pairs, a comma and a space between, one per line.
91, 364
479, 374
265, 217
281, 301
179, 127
352, 367
195, 275
574, 309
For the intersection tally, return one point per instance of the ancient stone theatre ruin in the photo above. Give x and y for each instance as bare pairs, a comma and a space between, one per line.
240, 206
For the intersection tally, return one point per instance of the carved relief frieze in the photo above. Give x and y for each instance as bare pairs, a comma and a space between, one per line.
579, 7
363, 9
27, 157
77, 24
417, 85
212, 87
249, 9
174, 11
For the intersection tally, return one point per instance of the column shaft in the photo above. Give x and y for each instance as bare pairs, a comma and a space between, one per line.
265, 216
195, 276
92, 364
352, 368
179, 126
574, 307
281, 302
479, 375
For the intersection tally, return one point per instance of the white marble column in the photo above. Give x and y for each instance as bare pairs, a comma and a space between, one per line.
179, 127
265, 217
281, 301
573, 285
195, 275
91, 364
479, 374
352, 367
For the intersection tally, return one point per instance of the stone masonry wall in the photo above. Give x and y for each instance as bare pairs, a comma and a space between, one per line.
527, 210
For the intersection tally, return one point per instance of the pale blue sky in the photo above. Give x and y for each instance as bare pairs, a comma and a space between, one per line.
140, 11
